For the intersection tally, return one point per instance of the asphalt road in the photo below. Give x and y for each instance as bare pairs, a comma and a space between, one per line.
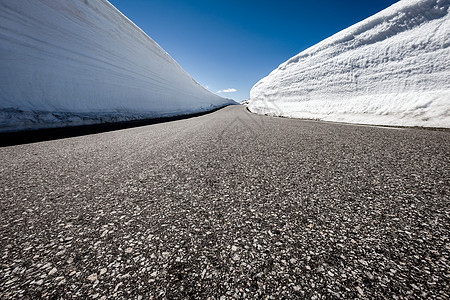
228, 205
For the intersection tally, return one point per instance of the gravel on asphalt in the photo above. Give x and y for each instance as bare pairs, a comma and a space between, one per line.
228, 205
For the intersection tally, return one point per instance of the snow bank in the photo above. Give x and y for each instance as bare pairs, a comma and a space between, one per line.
392, 68
72, 62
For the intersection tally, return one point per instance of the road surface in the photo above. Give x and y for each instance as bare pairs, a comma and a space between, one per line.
228, 205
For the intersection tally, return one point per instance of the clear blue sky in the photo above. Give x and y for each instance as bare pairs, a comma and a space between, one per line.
226, 44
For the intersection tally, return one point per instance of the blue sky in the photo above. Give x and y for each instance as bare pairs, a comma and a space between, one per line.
232, 44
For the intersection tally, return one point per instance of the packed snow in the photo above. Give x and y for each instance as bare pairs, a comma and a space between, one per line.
73, 62
390, 69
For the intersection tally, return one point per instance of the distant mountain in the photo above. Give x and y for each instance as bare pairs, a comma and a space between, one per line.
72, 62
392, 68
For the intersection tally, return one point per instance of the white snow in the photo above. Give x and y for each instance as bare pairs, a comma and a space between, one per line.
72, 62
390, 69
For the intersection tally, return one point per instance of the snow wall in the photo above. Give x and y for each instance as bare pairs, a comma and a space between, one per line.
74, 62
392, 68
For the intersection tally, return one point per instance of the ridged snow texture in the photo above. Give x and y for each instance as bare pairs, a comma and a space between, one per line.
70, 62
392, 68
